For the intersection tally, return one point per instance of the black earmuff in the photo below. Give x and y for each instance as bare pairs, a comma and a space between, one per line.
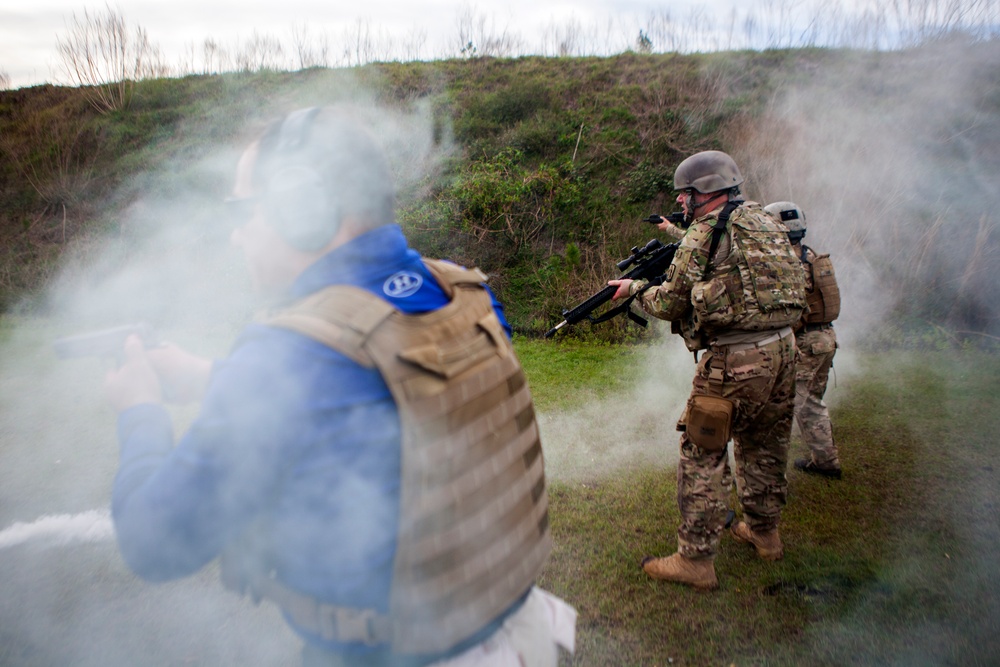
296, 199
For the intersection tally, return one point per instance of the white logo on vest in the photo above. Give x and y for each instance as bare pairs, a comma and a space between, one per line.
402, 284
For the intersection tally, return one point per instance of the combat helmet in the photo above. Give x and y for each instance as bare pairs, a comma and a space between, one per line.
707, 171
791, 216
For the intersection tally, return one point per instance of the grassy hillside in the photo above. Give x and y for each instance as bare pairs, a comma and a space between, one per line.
543, 167
549, 152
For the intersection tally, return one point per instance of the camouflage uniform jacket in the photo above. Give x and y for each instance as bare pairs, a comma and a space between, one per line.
807, 255
731, 294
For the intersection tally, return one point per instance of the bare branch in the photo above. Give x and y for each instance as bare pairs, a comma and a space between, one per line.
105, 57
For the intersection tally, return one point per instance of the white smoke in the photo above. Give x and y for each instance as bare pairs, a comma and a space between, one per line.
889, 154
166, 262
60, 529
893, 157
633, 427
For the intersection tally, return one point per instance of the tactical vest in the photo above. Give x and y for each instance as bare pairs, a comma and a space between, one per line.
473, 532
823, 299
758, 285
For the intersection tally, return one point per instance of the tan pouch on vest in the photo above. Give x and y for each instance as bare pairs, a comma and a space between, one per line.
716, 303
824, 300
709, 419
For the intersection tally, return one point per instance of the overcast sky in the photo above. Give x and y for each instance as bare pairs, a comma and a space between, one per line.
429, 29
29, 28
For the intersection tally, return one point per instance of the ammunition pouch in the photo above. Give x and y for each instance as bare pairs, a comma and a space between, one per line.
818, 345
717, 302
824, 300
709, 421
709, 417
694, 338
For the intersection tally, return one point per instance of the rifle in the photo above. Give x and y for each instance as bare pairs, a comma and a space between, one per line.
674, 218
650, 263
104, 343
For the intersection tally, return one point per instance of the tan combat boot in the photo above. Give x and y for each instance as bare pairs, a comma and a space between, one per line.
768, 544
698, 573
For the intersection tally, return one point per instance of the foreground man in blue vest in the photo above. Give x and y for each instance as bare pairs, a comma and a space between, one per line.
367, 456
733, 289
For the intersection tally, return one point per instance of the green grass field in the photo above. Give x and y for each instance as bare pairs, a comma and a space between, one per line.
894, 564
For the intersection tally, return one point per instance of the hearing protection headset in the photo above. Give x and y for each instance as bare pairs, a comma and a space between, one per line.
297, 201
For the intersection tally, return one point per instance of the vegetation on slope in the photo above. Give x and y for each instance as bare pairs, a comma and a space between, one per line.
553, 162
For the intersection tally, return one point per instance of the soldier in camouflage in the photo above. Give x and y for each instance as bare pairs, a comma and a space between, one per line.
734, 288
816, 343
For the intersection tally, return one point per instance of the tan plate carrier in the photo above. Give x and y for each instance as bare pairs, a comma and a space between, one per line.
474, 530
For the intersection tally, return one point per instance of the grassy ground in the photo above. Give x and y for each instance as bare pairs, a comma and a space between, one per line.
894, 564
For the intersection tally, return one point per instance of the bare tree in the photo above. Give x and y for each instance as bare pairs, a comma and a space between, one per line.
665, 32
413, 44
308, 51
154, 65
478, 36
215, 58
59, 175
260, 52
105, 57
563, 40
4, 80
364, 44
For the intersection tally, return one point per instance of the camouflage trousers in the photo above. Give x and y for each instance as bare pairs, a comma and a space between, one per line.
760, 380
812, 372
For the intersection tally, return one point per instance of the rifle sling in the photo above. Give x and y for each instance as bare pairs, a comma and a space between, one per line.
718, 229
624, 307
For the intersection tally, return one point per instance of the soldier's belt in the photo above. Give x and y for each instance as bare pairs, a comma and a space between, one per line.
746, 340
816, 327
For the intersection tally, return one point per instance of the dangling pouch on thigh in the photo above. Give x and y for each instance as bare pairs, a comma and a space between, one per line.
824, 345
709, 421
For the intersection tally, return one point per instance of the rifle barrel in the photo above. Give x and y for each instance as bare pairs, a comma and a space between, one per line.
552, 332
